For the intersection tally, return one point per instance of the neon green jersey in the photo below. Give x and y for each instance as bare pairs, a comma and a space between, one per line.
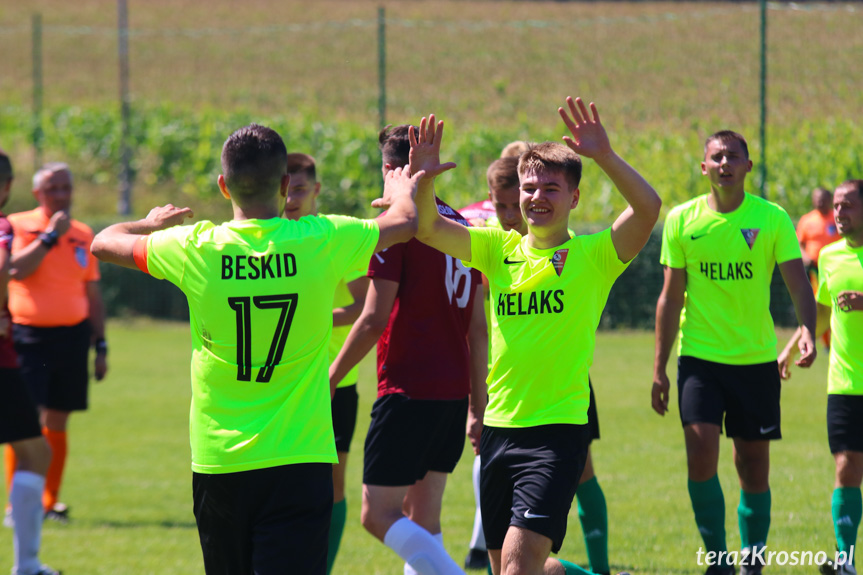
546, 306
342, 298
729, 260
840, 268
260, 296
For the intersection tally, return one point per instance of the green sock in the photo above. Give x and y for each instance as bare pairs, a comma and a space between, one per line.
337, 527
753, 515
847, 511
594, 523
708, 503
573, 569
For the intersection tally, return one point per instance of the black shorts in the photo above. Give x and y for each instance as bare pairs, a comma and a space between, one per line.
407, 438
265, 521
344, 406
19, 418
845, 422
54, 364
592, 415
747, 395
528, 479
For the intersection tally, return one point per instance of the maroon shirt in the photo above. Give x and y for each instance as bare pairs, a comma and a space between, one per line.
423, 351
8, 357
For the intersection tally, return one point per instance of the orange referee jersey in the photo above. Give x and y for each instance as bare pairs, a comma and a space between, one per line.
815, 230
56, 293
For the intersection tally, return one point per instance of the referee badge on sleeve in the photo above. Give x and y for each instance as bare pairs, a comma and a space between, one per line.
81, 256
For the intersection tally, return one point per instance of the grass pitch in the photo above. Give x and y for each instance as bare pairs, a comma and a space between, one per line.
128, 480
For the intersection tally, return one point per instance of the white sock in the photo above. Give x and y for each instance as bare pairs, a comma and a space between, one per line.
421, 549
408, 570
27, 512
477, 539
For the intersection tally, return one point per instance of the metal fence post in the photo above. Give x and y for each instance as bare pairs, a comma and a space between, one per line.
763, 129
36, 129
382, 66
124, 204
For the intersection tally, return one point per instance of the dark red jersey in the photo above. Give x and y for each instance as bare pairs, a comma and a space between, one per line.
8, 358
423, 351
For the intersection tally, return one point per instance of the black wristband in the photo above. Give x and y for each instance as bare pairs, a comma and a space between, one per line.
101, 346
49, 239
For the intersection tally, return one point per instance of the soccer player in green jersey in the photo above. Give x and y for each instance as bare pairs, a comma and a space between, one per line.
260, 291
719, 251
503, 192
840, 306
300, 201
547, 292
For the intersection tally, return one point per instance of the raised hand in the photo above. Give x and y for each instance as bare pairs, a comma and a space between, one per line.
168, 216
425, 148
588, 134
398, 183
59, 222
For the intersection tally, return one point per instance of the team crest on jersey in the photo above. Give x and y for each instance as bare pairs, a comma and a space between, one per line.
749, 235
558, 260
81, 256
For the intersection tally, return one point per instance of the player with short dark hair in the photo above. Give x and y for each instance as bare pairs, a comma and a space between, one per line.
423, 311
260, 290
19, 422
350, 295
719, 251
840, 305
548, 291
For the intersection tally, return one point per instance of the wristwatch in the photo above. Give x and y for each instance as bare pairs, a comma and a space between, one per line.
101, 346
49, 239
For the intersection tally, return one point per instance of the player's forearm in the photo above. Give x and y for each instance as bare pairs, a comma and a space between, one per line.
347, 315
804, 308
667, 325
97, 312
363, 336
26, 261
427, 213
478, 374
637, 192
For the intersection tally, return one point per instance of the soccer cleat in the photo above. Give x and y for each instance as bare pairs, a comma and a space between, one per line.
829, 569
476, 559
44, 570
720, 570
58, 513
751, 569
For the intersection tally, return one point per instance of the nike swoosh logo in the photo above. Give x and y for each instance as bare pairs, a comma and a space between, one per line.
529, 515
694, 237
509, 262
764, 430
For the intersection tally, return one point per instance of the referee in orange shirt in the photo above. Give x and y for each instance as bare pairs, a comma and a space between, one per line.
57, 312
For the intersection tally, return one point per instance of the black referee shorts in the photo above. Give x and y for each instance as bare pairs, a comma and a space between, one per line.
54, 364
